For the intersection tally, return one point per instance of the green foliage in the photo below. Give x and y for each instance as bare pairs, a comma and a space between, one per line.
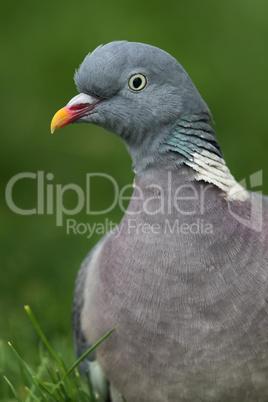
52, 381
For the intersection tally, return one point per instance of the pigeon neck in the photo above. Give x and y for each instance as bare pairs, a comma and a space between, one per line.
192, 142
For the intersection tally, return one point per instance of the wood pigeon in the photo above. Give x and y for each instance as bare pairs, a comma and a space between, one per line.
184, 277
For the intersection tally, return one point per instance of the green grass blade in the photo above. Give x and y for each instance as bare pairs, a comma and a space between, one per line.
48, 346
78, 361
32, 396
40, 373
42, 336
23, 364
90, 389
46, 389
27, 371
12, 389
62, 389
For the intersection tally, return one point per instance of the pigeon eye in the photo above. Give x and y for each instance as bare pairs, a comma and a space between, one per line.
137, 82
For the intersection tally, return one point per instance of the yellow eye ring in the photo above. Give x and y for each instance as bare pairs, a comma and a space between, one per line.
137, 82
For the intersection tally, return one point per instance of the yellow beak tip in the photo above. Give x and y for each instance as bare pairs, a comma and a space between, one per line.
60, 119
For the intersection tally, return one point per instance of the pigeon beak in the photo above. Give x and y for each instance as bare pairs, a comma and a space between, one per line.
79, 106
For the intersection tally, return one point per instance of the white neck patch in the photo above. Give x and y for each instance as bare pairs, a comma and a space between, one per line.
212, 169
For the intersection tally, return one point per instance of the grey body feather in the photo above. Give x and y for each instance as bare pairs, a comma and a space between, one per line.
89, 366
191, 310
186, 287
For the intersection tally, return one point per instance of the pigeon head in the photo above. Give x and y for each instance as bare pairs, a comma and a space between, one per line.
140, 93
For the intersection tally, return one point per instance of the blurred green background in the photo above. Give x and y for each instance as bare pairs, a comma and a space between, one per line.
223, 45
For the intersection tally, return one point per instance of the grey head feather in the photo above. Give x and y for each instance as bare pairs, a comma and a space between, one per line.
143, 119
